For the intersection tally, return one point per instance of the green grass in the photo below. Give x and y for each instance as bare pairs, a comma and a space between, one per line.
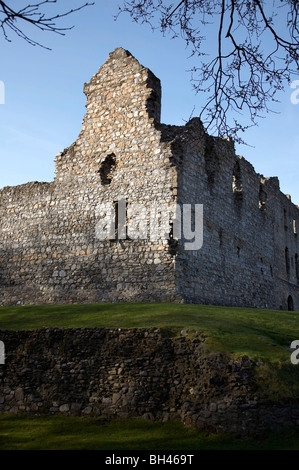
265, 335
66, 433
257, 333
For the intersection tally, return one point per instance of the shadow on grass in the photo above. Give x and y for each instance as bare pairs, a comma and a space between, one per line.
67, 433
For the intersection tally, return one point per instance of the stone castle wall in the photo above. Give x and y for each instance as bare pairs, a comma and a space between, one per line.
50, 250
248, 225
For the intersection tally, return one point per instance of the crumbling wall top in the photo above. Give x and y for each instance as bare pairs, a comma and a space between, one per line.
123, 82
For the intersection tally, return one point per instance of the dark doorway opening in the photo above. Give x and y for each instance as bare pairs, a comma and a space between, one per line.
290, 303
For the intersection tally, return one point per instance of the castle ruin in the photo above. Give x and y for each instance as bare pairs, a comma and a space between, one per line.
49, 248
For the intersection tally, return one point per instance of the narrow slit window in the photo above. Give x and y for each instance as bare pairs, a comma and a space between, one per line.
262, 198
287, 260
237, 179
285, 219
120, 210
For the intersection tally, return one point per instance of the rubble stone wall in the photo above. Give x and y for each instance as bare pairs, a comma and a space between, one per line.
134, 373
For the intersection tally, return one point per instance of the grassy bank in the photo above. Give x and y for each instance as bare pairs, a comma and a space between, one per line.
265, 335
257, 333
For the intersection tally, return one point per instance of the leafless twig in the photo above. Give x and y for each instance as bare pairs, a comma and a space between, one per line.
251, 53
33, 14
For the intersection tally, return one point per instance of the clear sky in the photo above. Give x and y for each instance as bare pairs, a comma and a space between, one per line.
44, 101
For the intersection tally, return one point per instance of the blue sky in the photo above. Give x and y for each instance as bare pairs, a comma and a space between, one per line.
44, 100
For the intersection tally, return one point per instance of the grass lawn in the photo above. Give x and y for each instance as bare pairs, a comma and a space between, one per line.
237, 331
66, 433
265, 335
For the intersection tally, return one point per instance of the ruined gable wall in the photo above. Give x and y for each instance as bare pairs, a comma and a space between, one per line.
123, 101
59, 258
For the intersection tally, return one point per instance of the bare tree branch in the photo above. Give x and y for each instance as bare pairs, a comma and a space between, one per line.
252, 53
33, 15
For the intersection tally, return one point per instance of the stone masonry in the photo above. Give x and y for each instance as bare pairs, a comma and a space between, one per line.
50, 248
136, 373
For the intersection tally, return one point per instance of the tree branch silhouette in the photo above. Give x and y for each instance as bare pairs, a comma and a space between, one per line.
251, 53
33, 14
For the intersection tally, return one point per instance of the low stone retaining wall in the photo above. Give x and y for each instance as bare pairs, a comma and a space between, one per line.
133, 373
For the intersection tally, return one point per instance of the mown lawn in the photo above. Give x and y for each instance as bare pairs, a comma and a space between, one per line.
236, 331
67, 433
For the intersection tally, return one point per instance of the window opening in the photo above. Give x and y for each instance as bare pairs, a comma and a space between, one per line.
107, 168
237, 180
262, 199
287, 260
